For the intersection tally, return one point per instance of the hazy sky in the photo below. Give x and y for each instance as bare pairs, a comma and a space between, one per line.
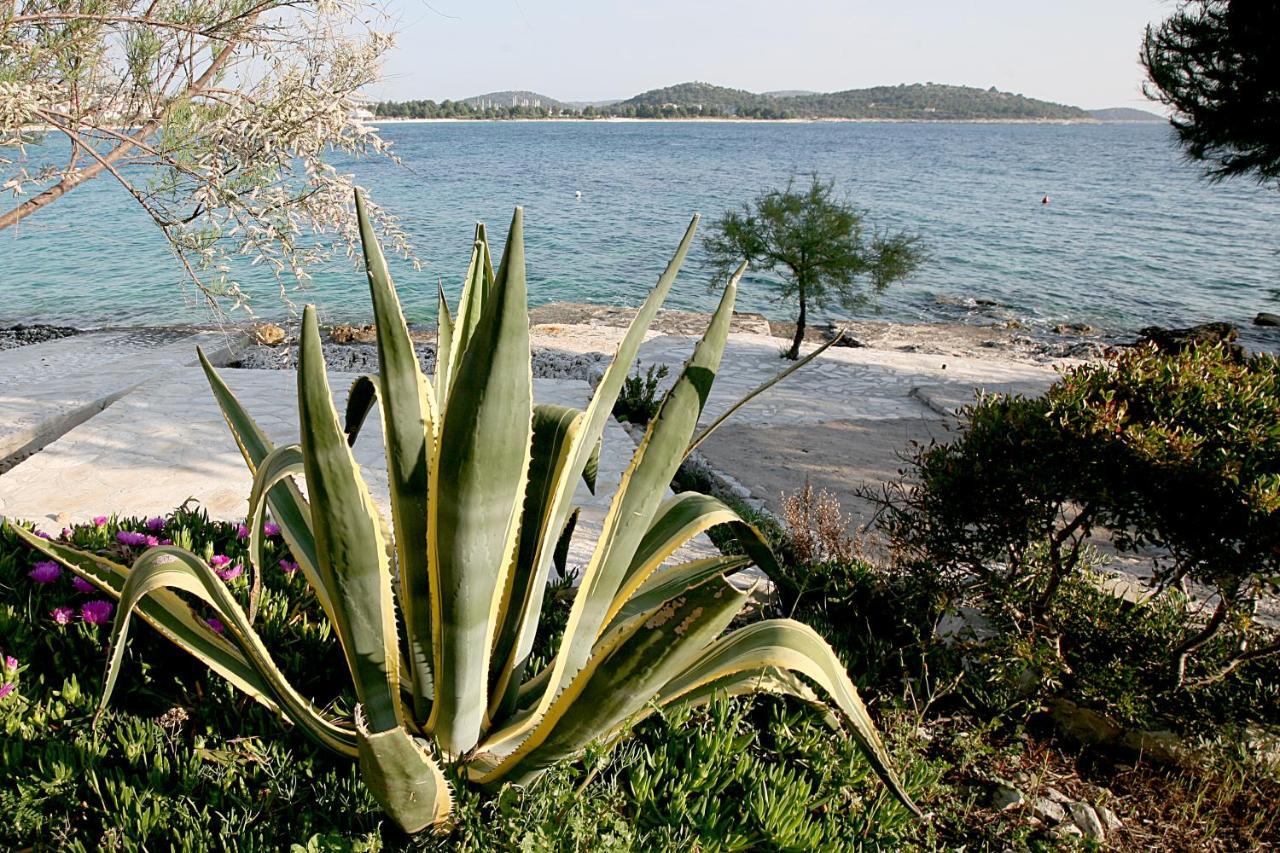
1081, 52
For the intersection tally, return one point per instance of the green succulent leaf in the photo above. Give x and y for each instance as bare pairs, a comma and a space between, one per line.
164, 611
633, 507
409, 424
169, 568
787, 645
553, 430
403, 777
289, 509
477, 488
626, 670
349, 541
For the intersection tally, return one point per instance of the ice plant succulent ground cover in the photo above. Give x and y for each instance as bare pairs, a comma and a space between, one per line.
197, 762
441, 653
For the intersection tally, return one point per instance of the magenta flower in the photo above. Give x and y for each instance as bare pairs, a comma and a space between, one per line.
230, 573
43, 535
100, 520
96, 612
166, 541
46, 571
10, 663
155, 525
242, 532
6, 689
219, 560
63, 615
271, 528
128, 537
288, 566
215, 624
152, 541
82, 585
66, 533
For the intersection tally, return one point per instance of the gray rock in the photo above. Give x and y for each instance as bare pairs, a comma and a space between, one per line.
1067, 830
964, 624
1049, 810
1056, 795
1083, 816
22, 335
1266, 318
1109, 819
1006, 797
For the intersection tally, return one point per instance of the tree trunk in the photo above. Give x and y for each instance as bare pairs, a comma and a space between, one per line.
794, 352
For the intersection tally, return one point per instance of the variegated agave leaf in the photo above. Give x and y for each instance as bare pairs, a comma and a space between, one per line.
481, 487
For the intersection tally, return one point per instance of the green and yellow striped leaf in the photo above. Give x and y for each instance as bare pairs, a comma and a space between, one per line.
477, 493
625, 672
785, 644
408, 425
168, 568
350, 544
403, 777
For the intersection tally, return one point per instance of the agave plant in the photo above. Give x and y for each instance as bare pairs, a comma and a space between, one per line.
438, 611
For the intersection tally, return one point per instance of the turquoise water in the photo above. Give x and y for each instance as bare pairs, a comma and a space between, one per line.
1133, 234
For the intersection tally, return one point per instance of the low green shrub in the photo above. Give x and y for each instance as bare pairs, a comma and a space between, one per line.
639, 400
1176, 456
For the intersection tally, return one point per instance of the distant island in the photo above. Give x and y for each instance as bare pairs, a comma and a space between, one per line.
914, 102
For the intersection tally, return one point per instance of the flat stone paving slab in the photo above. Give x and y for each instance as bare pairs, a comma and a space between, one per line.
841, 422
48, 388
844, 383
166, 442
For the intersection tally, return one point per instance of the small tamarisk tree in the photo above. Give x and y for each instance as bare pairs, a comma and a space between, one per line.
816, 243
218, 117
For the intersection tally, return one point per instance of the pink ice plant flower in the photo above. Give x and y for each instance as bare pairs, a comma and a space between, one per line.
288, 566
242, 532
130, 538
155, 525
45, 571
100, 520
82, 585
230, 572
10, 670
63, 615
96, 612
219, 560
271, 528
215, 625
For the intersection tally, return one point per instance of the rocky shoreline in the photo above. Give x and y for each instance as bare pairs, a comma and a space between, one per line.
576, 340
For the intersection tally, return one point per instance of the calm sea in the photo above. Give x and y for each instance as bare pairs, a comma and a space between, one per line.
1133, 235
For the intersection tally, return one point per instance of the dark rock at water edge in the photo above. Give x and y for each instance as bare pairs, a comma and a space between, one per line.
1177, 340
363, 358
21, 335
1265, 318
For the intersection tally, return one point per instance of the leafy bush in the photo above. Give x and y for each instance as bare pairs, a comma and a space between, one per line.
639, 400
1176, 455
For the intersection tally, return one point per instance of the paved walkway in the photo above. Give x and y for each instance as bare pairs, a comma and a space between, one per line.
48, 388
840, 422
166, 442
